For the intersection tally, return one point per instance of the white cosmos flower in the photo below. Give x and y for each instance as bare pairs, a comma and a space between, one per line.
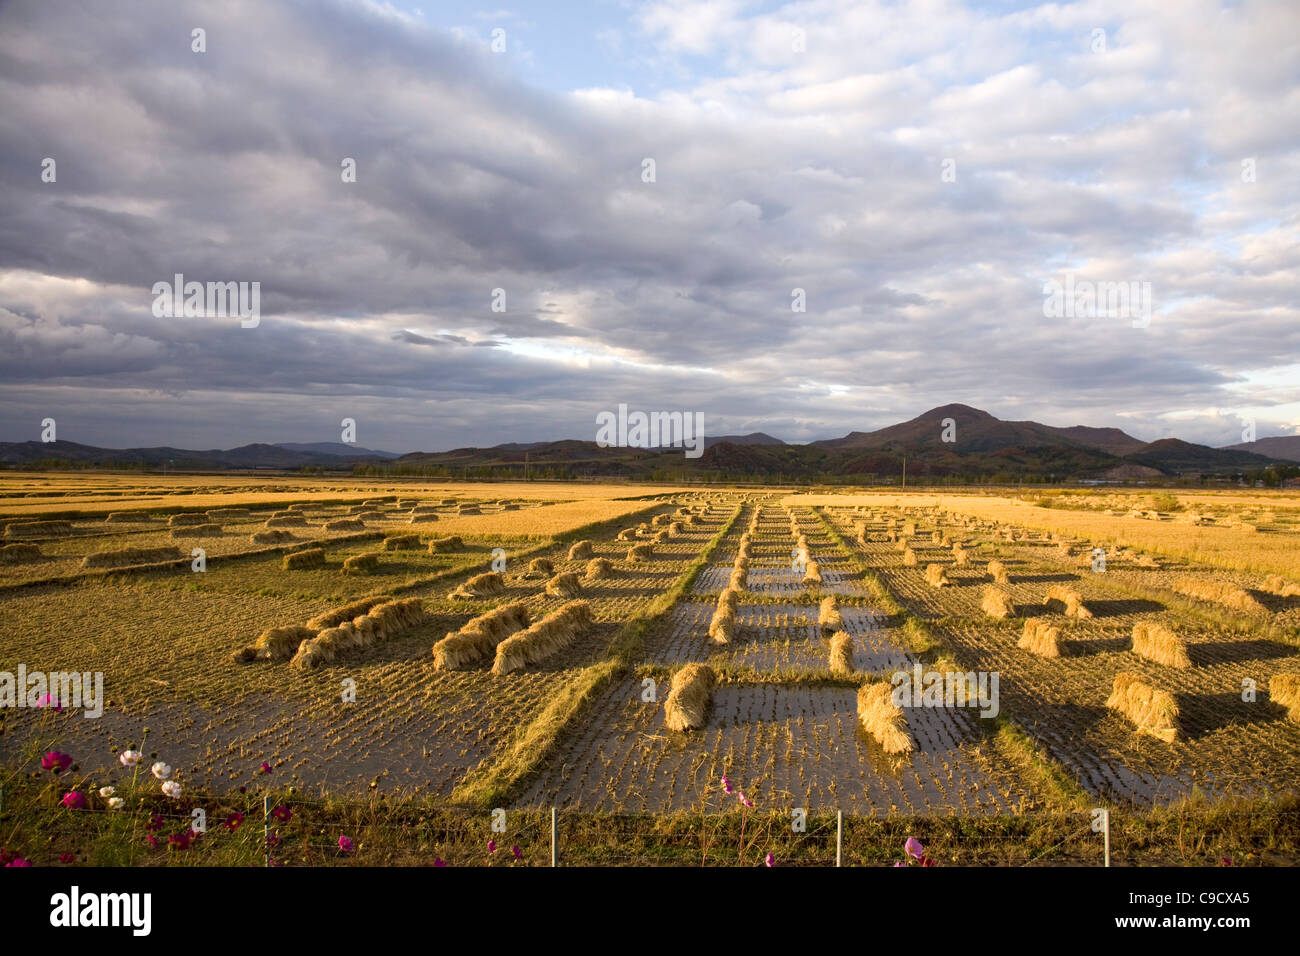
116, 803
172, 789
130, 758
161, 770
107, 792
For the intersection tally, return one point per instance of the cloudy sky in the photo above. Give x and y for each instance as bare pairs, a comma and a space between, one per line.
919, 169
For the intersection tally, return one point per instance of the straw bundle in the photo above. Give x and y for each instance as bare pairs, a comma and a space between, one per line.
828, 614
336, 616
127, 517
841, 660
627, 534
480, 586
539, 568
812, 575
959, 556
881, 718
541, 640
1219, 592
564, 586
688, 698
1276, 584
378, 624
14, 553
361, 563
276, 644
1157, 643
936, 576
998, 572
446, 545
402, 542
1069, 600
581, 551
997, 603
345, 524
185, 521
641, 552
598, 569
477, 640
1040, 637
300, 560
1155, 712
285, 521
126, 557
909, 558
1284, 689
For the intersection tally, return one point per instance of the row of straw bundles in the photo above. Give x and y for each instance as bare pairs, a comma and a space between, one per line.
126, 557
565, 586
841, 658
277, 643
546, 637
1155, 712
640, 552
336, 616
998, 572
1157, 643
477, 640
301, 560
345, 524
688, 698
722, 627
37, 529
1069, 599
487, 584
361, 563
581, 551
1040, 637
198, 531
274, 536
447, 545
14, 553
1284, 689
828, 615
379, 623
997, 603
1218, 592
468, 510
882, 718
539, 568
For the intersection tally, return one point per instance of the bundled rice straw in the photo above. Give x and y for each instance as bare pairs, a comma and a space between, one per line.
221, 514
909, 558
828, 614
345, 524
198, 531
627, 534
424, 510
307, 558
641, 552
539, 568
126, 557
543, 639
1219, 592
335, 617
378, 624
469, 510
598, 568
127, 517
421, 518
1040, 637
1070, 600
581, 551
361, 563
285, 521
477, 640
446, 545
1157, 643
997, 603
722, 627
564, 586
881, 718
998, 572
812, 575
276, 644
14, 553
1155, 712
402, 542
841, 660
1284, 689
185, 521
1276, 584
688, 699
936, 576
274, 536
959, 556
479, 586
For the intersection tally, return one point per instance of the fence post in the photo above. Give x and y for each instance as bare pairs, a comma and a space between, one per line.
555, 845
1105, 823
266, 828
839, 838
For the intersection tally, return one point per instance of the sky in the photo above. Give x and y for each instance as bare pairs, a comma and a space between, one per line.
504, 268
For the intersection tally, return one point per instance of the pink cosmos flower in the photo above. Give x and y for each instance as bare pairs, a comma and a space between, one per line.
74, 800
769, 860
518, 853
345, 844
49, 700
438, 861
914, 848
233, 821
56, 762
152, 840
18, 861
492, 846
745, 800
282, 813
726, 784
265, 768
181, 840
900, 863
67, 857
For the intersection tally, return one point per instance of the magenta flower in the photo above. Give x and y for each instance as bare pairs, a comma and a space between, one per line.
438, 861
492, 846
900, 863
155, 823
181, 840
273, 839
56, 762
519, 854
914, 848
151, 840
74, 800
745, 800
18, 861
282, 813
67, 857
769, 860
726, 784
233, 821
49, 700
345, 844
265, 768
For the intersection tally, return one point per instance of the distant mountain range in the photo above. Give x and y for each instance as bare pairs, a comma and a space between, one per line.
951, 442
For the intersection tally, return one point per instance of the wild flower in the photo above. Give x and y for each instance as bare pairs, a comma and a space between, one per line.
161, 770
171, 789
74, 800
346, 845
56, 761
129, 758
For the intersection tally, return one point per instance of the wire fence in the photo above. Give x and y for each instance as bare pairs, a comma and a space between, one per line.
292, 830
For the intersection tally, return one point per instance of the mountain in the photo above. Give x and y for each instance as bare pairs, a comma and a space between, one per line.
338, 449
983, 448
1283, 447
